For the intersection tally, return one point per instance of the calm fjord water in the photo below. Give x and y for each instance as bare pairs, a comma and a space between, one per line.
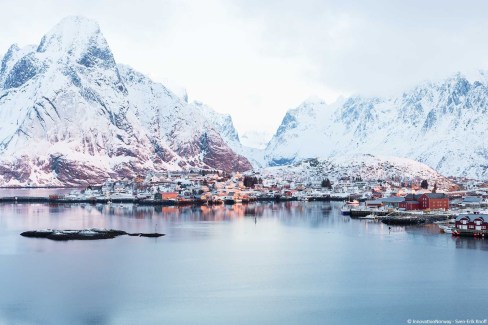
262, 263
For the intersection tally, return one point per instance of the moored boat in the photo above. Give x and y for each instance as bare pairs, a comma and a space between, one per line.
346, 210
446, 229
369, 217
352, 203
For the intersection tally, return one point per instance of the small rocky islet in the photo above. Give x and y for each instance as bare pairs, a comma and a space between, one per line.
83, 234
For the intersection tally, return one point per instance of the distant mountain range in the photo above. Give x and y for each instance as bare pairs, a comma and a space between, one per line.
443, 124
69, 114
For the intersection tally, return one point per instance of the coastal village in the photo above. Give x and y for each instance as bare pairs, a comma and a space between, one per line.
457, 209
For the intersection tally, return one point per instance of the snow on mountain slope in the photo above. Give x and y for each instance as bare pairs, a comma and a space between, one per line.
256, 139
69, 115
185, 133
441, 124
368, 167
222, 123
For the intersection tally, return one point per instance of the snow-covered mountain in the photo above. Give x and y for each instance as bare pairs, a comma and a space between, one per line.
442, 124
69, 114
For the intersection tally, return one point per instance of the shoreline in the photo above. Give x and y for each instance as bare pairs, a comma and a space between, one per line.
39, 199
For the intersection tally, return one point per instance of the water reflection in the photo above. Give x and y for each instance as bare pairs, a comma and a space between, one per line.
289, 212
471, 243
193, 221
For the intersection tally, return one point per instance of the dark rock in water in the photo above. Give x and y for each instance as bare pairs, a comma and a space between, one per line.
402, 221
85, 234
154, 234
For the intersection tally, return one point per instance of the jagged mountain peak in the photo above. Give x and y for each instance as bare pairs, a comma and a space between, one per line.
26, 66
7, 58
69, 33
79, 39
70, 115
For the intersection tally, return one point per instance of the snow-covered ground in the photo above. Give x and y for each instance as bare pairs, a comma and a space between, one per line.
366, 167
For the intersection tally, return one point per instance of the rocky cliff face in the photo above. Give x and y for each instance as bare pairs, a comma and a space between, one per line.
69, 115
441, 124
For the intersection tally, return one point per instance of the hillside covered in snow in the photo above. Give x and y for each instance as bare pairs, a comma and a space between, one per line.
71, 115
393, 170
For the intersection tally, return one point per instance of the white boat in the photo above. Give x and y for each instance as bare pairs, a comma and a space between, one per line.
369, 217
346, 210
446, 229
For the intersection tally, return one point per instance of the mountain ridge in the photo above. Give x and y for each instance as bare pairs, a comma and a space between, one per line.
439, 123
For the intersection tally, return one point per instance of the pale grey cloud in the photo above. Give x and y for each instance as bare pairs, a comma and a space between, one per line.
374, 47
256, 59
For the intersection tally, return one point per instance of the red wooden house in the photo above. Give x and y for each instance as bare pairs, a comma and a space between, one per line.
432, 201
472, 223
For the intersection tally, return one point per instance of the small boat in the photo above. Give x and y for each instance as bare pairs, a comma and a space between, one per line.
369, 217
446, 229
346, 210
352, 203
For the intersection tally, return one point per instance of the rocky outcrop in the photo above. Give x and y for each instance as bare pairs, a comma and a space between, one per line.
84, 234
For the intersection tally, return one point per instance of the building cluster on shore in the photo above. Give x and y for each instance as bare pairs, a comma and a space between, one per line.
211, 186
410, 202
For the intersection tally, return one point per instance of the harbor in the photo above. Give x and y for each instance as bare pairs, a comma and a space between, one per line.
383, 201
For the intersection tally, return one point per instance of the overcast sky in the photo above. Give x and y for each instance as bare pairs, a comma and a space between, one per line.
256, 59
